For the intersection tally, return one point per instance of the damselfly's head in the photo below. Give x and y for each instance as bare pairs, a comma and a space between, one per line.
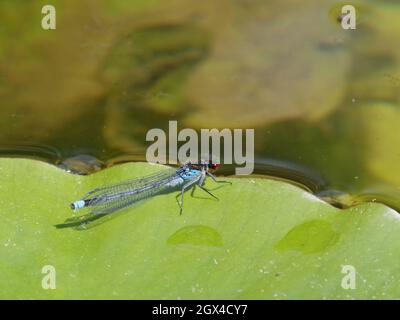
213, 166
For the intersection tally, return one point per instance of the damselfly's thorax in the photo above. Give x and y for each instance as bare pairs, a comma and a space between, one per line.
190, 170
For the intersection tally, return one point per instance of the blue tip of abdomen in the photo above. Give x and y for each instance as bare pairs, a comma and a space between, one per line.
78, 205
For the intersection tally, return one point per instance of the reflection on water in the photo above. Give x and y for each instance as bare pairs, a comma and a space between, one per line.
83, 164
35, 151
324, 102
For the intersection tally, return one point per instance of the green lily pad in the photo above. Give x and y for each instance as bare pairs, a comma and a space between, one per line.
262, 239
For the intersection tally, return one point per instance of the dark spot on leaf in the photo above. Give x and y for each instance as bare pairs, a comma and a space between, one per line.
309, 237
198, 235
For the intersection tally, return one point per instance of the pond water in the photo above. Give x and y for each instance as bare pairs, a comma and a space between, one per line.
324, 101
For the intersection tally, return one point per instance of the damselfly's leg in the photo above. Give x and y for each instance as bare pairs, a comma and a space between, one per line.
192, 192
208, 191
184, 188
201, 187
214, 178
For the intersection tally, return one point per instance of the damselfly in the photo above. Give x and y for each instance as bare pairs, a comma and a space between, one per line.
118, 196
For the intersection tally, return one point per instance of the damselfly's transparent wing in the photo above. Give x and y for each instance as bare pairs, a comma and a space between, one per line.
130, 184
117, 196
